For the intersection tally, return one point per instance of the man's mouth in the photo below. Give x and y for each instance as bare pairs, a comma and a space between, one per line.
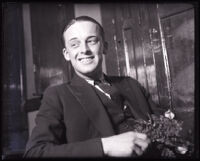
86, 60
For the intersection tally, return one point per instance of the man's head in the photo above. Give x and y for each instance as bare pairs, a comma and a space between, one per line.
84, 45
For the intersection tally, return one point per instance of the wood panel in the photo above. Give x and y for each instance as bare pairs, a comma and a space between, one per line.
137, 48
47, 23
119, 45
108, 22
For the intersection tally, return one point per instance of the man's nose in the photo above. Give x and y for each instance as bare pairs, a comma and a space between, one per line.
84, 48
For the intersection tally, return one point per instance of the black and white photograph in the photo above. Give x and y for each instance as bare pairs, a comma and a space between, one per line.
100, 80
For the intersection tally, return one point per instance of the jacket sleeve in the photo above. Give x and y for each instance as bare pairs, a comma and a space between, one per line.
48, 138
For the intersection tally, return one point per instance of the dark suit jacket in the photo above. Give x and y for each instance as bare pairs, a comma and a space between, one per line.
72, 120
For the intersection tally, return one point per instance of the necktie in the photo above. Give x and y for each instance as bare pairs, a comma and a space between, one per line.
111, 90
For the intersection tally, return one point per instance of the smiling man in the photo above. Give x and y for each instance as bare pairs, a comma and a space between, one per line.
91, 115
84, 48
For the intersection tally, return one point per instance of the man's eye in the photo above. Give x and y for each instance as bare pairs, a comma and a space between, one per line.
92, 41
74, 45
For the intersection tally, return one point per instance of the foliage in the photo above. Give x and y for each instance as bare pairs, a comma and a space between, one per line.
165, 133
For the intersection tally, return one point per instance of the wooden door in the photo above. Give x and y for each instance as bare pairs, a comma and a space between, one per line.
135, 47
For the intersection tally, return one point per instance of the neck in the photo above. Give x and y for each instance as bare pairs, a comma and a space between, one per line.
94, 76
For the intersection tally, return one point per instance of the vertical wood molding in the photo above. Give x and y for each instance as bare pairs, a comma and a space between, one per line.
166, 64
28, 51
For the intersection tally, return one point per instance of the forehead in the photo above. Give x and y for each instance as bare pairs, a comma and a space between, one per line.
82, 29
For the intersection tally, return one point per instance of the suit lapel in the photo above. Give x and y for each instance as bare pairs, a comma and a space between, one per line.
90, 102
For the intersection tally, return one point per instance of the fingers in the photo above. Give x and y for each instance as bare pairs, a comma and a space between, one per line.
125, 144
138, 150
143, 144
141, 135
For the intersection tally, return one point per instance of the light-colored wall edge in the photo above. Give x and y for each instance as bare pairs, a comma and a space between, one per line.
30, 83
28, 51
94, 11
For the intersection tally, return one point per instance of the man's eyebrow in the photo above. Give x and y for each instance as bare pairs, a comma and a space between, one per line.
92, 36
74, 38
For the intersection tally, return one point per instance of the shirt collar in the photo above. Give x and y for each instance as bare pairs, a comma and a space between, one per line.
92, 81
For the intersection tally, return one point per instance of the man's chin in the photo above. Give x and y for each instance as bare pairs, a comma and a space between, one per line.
88, 70
89, 73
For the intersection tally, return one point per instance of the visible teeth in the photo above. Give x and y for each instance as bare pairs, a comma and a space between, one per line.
85, 60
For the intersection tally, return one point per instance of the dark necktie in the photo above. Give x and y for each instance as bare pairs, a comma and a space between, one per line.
111, 90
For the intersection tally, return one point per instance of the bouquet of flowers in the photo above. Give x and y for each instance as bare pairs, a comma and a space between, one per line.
164, 132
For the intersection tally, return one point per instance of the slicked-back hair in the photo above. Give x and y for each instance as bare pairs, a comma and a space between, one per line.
82, 19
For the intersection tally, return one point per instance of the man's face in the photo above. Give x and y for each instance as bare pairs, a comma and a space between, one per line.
84, 48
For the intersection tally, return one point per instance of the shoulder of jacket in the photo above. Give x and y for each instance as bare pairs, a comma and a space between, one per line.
121, 78
55, 88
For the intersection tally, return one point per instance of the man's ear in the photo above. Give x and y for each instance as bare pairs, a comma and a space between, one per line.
105, 48
66, 54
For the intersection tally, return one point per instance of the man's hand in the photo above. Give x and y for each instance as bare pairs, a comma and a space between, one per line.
123, 145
